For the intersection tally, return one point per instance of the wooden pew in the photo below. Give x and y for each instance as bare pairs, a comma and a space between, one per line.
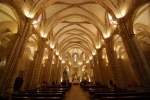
60, 86
88, 87
107, 89
52, 89
50, 93
37, 95
95, 92
36, 98
63, 92
126, 98
123, 95
110, 91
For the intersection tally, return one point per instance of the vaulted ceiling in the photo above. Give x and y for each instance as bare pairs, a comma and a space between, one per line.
72, 26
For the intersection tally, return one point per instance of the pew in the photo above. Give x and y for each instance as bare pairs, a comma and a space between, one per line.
49, 93
88, 87
36, 98
126, 98
52, 89
63, 92
40, 96
123, 96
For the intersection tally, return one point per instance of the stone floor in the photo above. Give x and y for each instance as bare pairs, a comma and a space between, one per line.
77, 93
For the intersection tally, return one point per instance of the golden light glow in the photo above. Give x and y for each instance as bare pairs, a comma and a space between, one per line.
107, 35
94, 52
34, 22
63, 61
87, 61
80, 63
60, 58
53, 62
91, 57
114, 48
43, 35
45, 57
31, 58
98, 46
83, 69
122, 13
27, 13
122, 56
103, 56
69, 63
52, 45
89, 80
57, 52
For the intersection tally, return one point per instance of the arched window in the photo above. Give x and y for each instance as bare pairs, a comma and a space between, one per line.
75, 58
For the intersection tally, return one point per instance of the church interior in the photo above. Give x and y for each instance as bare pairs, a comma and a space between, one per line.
74, 41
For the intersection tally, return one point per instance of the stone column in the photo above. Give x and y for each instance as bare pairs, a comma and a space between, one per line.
103, 68
119, 73
55, 69
110, 64
15, 56
145, 68
136, 57
52, 69
42, 74
47, 72
38, 64
49, 67
33, 68
59, 72
96, 66
112, 57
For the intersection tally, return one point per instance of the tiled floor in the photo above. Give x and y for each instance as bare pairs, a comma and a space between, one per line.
77, 93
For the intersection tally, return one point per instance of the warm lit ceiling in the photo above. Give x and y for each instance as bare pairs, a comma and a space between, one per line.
72, 26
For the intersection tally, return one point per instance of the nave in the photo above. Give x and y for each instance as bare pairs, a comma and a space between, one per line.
82, 92
73, 41
77, 93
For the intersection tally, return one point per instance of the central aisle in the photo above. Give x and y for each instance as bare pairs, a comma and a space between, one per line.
77, 93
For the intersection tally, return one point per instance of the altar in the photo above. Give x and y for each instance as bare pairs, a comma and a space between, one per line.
75, 82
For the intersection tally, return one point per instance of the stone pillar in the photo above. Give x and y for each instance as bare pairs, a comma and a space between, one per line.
42, 74
52, 69
47, 72
144, 67
92, 66
15, 56
49, 64
135, 55
115, 68
96, 67
59, 72
118, 72
33, 68
103, 68
38, 64
56, 69
110, 64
